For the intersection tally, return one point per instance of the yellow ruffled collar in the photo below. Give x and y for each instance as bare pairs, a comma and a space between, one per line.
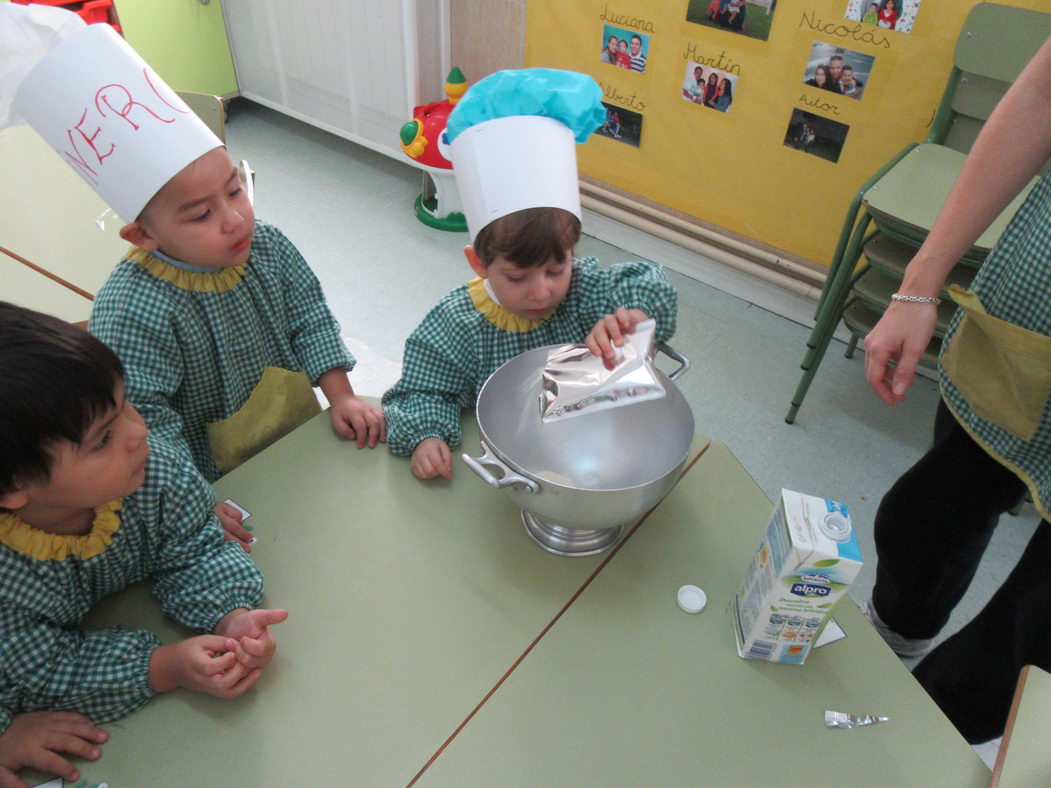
218, 281
496, 314
43, 546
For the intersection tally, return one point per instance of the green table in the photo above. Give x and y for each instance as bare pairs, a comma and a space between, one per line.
51, 222
408, 602
29, 288
626, 689
1023, 761
414, 605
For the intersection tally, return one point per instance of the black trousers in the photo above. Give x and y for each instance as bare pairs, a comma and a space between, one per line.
931, 530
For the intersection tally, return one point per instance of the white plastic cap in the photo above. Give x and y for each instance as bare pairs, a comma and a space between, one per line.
692, 599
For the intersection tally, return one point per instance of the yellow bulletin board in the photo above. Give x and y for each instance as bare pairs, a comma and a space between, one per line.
751, 169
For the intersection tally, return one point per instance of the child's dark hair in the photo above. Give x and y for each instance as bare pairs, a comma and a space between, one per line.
56, 380
529, 238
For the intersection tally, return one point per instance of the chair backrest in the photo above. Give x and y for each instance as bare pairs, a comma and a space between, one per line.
208, 108
995, 44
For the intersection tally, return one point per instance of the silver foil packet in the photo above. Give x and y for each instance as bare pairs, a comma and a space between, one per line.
840, 719
576, 381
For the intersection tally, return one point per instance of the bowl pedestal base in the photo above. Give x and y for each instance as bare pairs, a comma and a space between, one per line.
573, 542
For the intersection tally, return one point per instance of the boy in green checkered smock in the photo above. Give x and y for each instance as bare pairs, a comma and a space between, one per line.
223, 327
88, 506
220, 324
512, 146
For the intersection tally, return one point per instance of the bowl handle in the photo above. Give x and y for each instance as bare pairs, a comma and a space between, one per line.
507, 478
675, 355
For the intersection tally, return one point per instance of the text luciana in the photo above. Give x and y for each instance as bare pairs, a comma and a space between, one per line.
626, 20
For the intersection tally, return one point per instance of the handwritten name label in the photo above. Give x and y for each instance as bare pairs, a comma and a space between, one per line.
625, 20
853, 32
817, 103
114, 103
631, 102
719, 61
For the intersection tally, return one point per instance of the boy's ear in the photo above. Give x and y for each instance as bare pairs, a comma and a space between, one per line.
14, 499
137, 235
475, 262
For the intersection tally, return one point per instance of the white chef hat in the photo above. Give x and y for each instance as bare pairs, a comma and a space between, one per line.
108, 115
513, 138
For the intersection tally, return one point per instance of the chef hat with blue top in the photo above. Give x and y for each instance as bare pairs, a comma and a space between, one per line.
513, 138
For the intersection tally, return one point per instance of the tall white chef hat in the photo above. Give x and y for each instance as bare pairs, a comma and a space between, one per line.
513, 142
99, 106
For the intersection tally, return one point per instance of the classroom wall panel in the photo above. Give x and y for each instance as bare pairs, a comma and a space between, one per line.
784, 159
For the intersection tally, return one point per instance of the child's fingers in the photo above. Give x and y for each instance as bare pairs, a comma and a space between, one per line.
217, 666
445, 461
74, 745
8, 779
248, 681
377, 429
266, 617
235, 532
612, 323
243, 683
45, 761
369, 431
361, 428
343, 427
227, 513
224, 685
592, 344
78, 725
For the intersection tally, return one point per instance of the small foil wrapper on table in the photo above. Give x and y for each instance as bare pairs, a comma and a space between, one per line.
840, 719
576, 381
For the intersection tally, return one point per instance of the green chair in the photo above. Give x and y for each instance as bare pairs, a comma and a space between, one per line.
208, 108
894, 209
212, 110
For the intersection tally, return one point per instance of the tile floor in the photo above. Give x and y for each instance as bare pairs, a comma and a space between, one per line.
349, 210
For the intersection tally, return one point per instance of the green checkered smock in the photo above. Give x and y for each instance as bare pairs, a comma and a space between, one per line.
167, 532
1014, 285
458, 345
194, 342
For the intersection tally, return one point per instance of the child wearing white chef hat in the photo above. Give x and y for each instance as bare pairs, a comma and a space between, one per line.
512, 142
221, 325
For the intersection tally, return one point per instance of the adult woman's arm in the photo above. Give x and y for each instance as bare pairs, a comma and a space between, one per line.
1011, 148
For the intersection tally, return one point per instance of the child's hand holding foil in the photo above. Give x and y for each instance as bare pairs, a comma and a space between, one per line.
575, 380
608, 334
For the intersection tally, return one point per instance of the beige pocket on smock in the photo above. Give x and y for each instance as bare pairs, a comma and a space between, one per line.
280, 402
1002, 370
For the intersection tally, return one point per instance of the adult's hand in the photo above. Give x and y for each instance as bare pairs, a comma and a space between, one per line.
900, 337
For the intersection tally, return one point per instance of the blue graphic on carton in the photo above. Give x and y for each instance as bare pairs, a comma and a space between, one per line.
811, 584
836, 506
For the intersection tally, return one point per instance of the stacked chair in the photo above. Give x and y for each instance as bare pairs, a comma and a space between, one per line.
894, 209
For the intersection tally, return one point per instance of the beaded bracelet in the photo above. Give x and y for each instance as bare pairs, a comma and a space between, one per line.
916, 299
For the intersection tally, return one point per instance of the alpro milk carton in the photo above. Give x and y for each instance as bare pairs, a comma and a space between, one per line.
808, 558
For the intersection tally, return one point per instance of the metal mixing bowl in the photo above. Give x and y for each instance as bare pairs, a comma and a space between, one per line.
578, 480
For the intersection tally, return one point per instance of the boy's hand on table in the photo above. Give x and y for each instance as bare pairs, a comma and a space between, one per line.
431, 458
609, 332
233, 531
248, 635
201, 664
356, 420
36, 738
